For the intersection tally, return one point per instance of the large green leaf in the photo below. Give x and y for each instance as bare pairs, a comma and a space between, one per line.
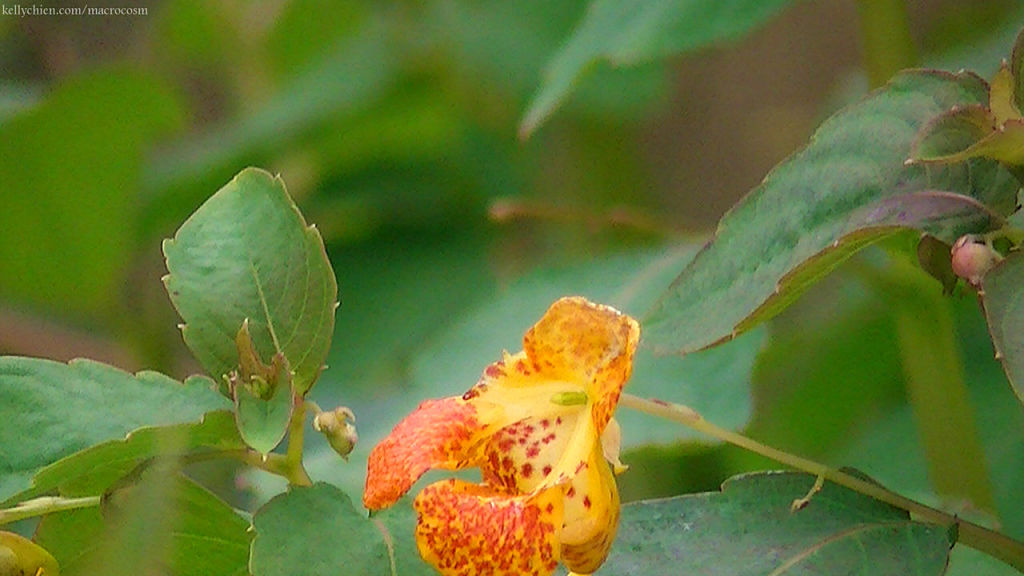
749, 529
1003, 298
93, 470
187, 531
69, 178
820, 206
50, 410
247, 253
316, 531
628, 33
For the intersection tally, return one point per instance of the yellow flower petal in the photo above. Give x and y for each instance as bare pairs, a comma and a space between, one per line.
467, 529
588, 343
591, 516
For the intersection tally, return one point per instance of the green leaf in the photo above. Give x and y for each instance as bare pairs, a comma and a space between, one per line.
263, 422
749, 529
1003, 300
247, 253
951, 132
630, 33
818, 207
70, 170
970, 132
1000, 100
51, 410
93, 470
316, 531
187, 532
944, 215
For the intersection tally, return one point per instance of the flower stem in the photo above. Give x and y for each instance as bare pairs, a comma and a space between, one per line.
990, 542
293, 455
288, 465
45, 505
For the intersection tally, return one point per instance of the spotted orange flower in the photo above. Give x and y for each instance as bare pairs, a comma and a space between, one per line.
539, 426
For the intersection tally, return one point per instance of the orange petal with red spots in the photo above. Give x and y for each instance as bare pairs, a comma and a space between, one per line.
587, 343
439, 434
468, 529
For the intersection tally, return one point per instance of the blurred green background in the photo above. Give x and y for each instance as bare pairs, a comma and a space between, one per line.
394, 125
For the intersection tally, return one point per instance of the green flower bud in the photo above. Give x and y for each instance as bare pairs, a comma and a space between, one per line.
338, 426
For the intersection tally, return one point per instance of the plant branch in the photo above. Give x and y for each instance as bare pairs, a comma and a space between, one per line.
990, 542
45, 505
297, 475
288, 465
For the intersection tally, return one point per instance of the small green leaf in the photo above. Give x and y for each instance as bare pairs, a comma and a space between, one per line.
630, 33
1000, 101
1005, 144
263, 422
316, 531
1003, 300
51, 410
247, 254
819, 206
93, 470
749, 529
263, 395
187, 532
972, 132
952, 132
933, 255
